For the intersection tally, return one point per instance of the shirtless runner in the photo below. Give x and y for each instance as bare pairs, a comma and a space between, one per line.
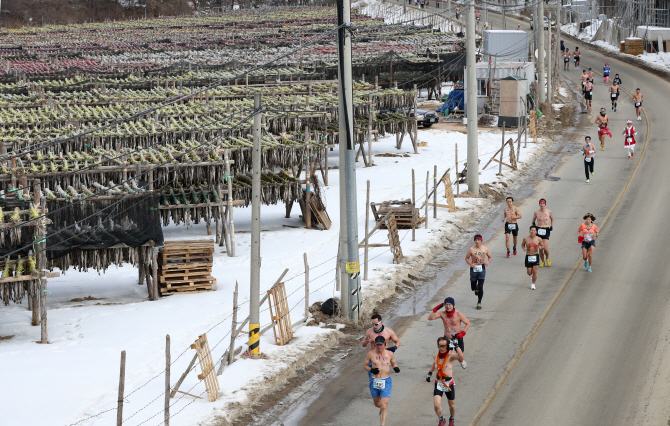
452, 319
566, 60
443, 361
544, 220
615, 90
532, 244
592, 75
602, 121
378, 329
584, 78
588, 93
576, 56
377, 363
637, 100
476, 259
510, 215
589, 150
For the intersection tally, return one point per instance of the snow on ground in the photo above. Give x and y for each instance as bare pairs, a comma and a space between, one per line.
76, 375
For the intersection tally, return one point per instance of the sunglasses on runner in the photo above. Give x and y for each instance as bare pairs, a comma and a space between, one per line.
443, 346
376, 323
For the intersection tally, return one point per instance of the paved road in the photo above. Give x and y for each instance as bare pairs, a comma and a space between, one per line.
600, 356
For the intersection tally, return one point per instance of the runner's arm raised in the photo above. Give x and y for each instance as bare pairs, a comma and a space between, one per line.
434, 316
366, 340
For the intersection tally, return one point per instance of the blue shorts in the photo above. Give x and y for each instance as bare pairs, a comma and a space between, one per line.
384, 393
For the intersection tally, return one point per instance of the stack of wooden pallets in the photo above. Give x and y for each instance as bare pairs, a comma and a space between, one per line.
403, 211
186, 267
634, 46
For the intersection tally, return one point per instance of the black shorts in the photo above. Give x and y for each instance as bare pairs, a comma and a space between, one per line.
474, 276
588, 95
576, 58
451, 395
547, 232
638, 104
588, 244
614, 96
566, 60
514, 231
535, 263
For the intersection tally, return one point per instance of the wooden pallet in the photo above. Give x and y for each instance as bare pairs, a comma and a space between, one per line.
279, 312
402, 210
186, 267
206, 362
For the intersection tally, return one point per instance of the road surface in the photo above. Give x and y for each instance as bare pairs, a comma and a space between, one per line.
583, 349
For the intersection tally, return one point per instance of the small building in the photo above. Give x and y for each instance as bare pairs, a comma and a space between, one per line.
489, 84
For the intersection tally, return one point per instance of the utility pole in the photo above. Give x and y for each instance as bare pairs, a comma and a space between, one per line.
473, 154
255, 281
504, 22
550, 62
350, 266
539, 24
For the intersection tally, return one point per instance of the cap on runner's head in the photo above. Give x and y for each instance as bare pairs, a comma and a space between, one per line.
542, 200
629, 122
450, 300
380, 340
478, 237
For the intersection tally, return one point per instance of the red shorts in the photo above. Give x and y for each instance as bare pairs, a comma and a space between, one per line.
604, 131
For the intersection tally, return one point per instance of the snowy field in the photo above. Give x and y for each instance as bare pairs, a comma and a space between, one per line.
76, 376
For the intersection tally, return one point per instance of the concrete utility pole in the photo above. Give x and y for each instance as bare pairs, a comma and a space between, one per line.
504, 21
473, 154
349, 261
539, 24
255, 282
549, 64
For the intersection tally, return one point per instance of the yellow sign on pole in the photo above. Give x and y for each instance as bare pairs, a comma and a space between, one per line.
353, 267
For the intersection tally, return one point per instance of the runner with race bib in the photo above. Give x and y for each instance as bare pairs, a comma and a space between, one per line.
589, 150
588, 232
443, 362
532, 244
377, 363
544, 220
510, 215
476, 258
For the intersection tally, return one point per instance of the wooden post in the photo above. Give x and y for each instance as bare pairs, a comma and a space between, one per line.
233, 329
226, 159
501, 151
308, 211
369, 129
154, 271
166, 414
304, 255
427, 197
525, 136
518, 142
41, 267
434, 193
325, 159
413, 206
122, 384
367, 226
140, 261
34, 300
458, 186
415, 126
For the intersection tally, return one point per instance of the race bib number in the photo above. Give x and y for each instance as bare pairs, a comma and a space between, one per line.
588, 160
477, 268
442, 387
511, 226
613, 95
532, 259
544, 231
629, 139
590, 92
637, 104
379, 384
588, 237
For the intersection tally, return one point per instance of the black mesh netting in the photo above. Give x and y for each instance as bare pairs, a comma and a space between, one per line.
113, 230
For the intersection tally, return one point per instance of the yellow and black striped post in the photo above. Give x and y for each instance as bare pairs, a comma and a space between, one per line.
254, 338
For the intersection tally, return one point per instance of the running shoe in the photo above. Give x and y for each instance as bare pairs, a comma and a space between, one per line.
442, 422
479, 305
541, 264
508, 250
464, 364
476, 291
602, 147
532, 286
451, 422
589, 269
628, 158
632, 154
514, 252
548, 262
586, 263
588, 180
